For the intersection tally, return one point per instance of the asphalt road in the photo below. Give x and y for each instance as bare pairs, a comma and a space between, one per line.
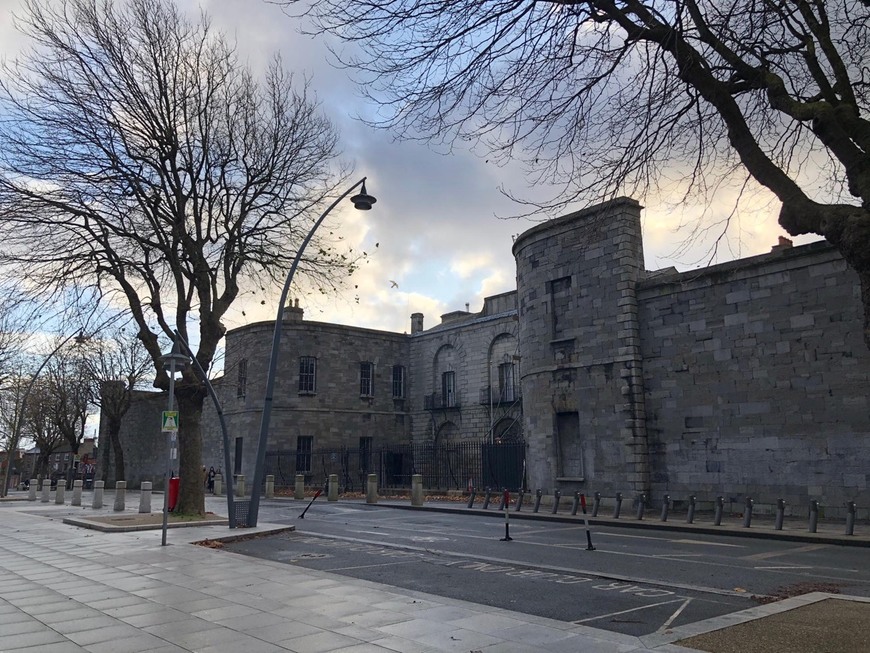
634, 582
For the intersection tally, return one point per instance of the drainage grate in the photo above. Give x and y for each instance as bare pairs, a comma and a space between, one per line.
240, 512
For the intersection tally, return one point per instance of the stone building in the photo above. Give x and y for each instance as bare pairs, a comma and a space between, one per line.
748, 378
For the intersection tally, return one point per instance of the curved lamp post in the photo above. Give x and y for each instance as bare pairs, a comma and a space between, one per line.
80, 338
361, 201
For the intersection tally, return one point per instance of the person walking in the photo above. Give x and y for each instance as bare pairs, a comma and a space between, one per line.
210, 481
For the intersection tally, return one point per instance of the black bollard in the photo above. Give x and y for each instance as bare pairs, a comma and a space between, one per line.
717, 514
505, 505
504, 497
596, 503
575, 505
486, 498
471, 498
666, 506
641, 506
747, 512
589, 546
520, 496
780, 514
690, 514
618, 506
538, 494
814, 516
557, 495
850, 518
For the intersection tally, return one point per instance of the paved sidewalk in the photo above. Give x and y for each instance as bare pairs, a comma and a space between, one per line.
67, 589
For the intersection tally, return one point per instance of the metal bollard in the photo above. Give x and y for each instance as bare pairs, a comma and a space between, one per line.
504, 498
520, 495
666, 506
557, 495
417, 498
850, 518
372, 488
471, 498
717, 514
814, 516
270, 487
690, 514
575, 505
780, 514
618, 505
596, 503
641, 506
299, 487
486, 498
538, 494
747, 512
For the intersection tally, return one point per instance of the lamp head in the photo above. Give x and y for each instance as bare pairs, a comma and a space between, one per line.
363, 201
175, 356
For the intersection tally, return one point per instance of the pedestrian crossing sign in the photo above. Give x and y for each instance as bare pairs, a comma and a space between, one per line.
170, 421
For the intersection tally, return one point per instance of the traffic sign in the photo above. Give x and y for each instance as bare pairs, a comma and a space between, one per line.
170, 421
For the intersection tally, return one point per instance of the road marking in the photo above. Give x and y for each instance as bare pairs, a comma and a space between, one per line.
385, 564
787, 567
776, 554
705, 543
676, 614
615, 614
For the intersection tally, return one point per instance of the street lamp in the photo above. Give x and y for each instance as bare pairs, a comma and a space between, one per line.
173, 362
361, 201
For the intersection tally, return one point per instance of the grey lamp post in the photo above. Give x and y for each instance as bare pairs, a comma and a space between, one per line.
173, 362
361, 201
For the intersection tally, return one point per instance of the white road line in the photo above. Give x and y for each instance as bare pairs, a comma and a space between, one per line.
785, 552
615, 614
787, 567
385, 564
676, 614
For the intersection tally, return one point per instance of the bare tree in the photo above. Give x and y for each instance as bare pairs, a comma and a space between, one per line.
605, 97
117, 364
40, 424
70, 387
141, 158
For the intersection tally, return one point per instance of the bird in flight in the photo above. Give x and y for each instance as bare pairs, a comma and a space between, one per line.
393, 284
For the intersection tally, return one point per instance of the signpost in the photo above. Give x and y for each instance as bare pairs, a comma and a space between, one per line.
172, 362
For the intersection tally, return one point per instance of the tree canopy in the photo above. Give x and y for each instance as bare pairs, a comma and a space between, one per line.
143, 159
603, 97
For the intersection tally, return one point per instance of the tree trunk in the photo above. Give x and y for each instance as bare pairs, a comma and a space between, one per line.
190, 399
105, 459
113, 431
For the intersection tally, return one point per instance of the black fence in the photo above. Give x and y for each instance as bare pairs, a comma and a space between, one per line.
450, 466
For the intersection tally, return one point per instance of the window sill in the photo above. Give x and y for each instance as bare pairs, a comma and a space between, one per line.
366, 396
571, 479
305, 393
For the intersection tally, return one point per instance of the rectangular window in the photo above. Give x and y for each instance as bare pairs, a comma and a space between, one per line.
506, 382
398, 382
560, 301
304, 445
366, 379
365, 455
570, 449
448, 389
307, 374
242, 385
237, 463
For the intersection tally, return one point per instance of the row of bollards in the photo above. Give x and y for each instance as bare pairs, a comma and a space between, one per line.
120, 503
641, 503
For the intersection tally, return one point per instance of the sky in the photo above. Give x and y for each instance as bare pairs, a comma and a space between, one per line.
439, 222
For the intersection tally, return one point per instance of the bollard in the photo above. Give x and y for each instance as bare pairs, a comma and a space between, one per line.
641, 505
717, 513
471, 498
538, 494
505, 505
589, 546
60, 492
814, 516
218, 485
690, 513
270, 486
575, 505
97, 501
77, 492
120, 495
240, 486
145, 497
46, 490
520, 496
31, 492
596, 503
747, 512
332, 488
666, 506
850, 517
372, 488
557, 496
618, 506
780, 514
486, 498
416, 489
299, 490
